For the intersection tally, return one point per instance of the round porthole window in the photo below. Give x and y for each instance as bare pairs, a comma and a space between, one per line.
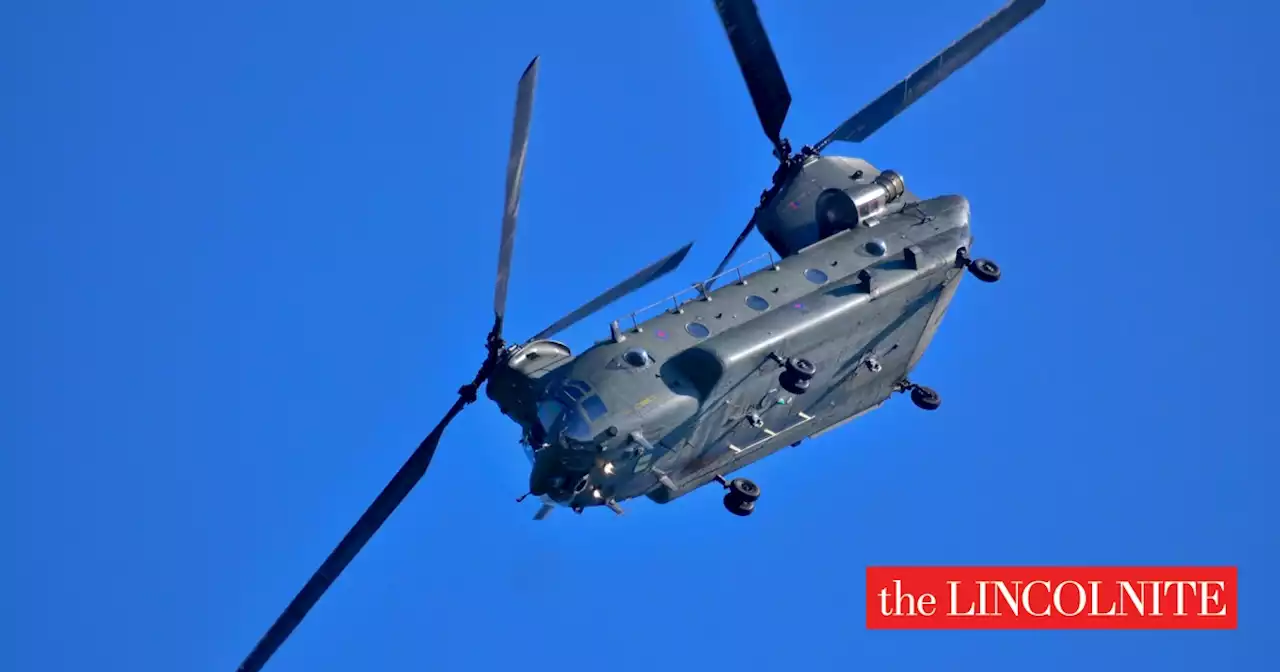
876, 247
815, 276
697, 330
757, 303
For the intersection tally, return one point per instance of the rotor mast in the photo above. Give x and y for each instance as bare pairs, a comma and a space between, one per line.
772, 99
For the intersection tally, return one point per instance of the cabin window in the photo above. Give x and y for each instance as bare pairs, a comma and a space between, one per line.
876, 247
757, 303
594, 407
697, 330
815, 276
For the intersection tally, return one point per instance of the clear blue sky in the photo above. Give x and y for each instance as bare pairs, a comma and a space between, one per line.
247, 259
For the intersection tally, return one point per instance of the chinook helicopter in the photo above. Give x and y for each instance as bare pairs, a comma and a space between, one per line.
795, 343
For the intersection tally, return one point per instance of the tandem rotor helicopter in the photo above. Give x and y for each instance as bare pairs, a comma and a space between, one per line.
795, 343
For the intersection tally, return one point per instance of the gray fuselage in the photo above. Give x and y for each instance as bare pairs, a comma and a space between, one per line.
673, 401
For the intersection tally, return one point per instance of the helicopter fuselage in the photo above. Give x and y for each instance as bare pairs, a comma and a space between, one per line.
669, 403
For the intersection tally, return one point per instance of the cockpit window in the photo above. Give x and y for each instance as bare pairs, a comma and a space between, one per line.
594, 407
548, 412
573, 390
573, 393
561, 418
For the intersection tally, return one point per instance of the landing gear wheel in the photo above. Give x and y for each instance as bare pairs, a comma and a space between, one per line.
802, 368
925, 398
738, 506
796, 375
985, 270
744, 489
792, 383
742, 495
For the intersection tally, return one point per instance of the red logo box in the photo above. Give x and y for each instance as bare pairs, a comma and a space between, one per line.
1051, 598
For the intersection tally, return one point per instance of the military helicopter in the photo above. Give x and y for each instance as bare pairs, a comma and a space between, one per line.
795, 343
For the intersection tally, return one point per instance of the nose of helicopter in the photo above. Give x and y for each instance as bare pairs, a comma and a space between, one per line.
558, 473
573, 478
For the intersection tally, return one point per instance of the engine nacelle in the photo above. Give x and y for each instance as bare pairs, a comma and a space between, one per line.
840, 209
826, 196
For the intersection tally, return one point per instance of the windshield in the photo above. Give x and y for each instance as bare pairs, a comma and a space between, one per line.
548, 412
561, 419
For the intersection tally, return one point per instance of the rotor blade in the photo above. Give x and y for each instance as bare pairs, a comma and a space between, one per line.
889, 105
647, 275
515, 177
758, 63
544, 511
360, 533
751, 225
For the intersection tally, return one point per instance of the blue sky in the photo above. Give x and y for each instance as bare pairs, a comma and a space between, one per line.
247, 259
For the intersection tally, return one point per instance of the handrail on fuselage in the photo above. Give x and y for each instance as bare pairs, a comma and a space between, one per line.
699, 289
